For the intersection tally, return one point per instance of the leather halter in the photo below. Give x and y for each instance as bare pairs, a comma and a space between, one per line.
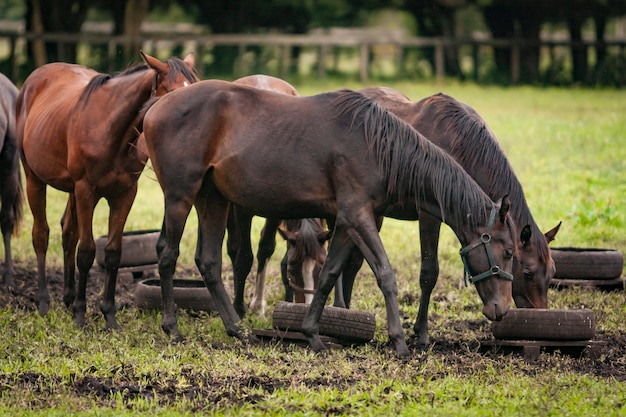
485, 240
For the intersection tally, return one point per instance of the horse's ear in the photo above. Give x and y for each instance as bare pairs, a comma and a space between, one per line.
190, 60
287, 235
505, 205
551, 234
153, 63
525, 235
324, 236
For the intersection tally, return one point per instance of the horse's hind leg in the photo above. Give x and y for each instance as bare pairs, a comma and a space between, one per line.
11, 198
267, 245
36, 194
69, 226
429, 243
85, 204
242, 221
212, 212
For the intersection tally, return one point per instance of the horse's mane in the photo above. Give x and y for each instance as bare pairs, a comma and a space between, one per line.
177, 66
307, 238
409, 162
473, 143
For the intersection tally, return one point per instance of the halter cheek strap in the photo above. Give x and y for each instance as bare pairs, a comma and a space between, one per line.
485, 240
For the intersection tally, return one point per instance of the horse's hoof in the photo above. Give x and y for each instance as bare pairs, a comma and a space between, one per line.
79, 321
43, 308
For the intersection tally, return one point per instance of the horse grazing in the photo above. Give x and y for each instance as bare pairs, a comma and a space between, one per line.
305, 257
458, 129
11, 193
305, 239
77, 132
334, 155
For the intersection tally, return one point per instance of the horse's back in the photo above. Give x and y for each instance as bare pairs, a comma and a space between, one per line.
248, 135
8, 96
43, 110
269, 83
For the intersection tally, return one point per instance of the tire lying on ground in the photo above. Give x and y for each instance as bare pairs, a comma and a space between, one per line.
352, 325
545, 324
189, 294
587, 263
138, 248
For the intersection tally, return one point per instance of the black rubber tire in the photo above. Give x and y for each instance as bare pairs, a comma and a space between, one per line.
587, 263
545, 324
138, 248
189, 294
341, 323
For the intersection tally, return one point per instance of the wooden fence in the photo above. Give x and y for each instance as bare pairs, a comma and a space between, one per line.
362, 42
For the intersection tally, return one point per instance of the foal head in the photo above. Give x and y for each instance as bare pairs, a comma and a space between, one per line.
305, 255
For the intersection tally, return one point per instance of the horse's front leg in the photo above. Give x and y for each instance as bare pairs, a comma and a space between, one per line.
69, 238
338, 250
120, 207
212, 212
267, 245
429, 228
364, 233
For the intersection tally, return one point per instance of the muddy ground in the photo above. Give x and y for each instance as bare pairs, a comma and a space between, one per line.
609, 363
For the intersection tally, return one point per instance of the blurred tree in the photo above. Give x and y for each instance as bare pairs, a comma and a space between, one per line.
523, 19
54, 16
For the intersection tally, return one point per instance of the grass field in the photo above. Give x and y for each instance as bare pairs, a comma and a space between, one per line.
568, 148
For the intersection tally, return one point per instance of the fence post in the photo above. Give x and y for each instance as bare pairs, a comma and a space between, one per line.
439, 61
365, 59
322, 52
515, 63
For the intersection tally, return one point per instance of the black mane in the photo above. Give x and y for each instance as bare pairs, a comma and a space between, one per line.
409, 162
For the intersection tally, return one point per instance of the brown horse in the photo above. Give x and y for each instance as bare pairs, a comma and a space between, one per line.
77, 132
458, 129
335, 155
11, 194
304, 247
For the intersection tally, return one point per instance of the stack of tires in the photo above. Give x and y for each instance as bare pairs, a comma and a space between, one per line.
588, 267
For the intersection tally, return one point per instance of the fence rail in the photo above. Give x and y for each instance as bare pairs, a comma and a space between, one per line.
362, 42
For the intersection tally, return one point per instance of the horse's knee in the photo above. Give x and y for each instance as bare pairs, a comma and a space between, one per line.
387, 283
112, 258
85, 258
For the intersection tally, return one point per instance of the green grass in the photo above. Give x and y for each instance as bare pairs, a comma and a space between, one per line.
569, 151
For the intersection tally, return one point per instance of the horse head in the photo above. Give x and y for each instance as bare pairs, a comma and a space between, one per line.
488, 261
306, 255
171, 74
533, 269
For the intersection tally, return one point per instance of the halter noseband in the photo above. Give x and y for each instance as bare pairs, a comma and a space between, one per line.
485, 240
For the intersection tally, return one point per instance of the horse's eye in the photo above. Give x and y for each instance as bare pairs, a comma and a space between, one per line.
528, 275
508, 254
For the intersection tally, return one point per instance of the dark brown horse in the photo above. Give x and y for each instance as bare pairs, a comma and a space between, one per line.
11, 194
304, 247
335, 155
458, 129
77, 132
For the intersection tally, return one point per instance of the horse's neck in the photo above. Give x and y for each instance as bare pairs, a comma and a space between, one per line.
132, 91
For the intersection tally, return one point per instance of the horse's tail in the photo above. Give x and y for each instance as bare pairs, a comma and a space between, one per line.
18, 203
